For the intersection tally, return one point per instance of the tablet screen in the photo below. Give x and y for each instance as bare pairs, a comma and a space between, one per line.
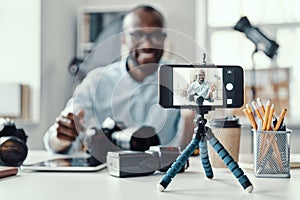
67, 164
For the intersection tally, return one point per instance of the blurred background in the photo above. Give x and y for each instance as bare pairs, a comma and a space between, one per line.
43, 42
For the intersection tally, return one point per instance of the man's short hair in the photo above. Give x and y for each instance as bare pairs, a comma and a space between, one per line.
201, 71
148, 8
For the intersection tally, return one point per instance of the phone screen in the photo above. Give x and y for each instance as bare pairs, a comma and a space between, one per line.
198, 86
201, 86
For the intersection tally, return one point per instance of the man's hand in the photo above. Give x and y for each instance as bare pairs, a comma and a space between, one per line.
69, 126
213, 87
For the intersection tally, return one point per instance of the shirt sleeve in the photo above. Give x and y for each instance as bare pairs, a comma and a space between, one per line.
81, 100
58, 145
84, 97
190, 90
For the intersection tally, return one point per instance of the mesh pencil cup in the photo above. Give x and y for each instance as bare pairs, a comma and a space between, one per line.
272, 153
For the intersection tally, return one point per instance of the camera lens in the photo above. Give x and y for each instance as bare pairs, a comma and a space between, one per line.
13, 151
143, 139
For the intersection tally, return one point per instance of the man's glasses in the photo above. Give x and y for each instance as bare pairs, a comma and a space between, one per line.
153, 37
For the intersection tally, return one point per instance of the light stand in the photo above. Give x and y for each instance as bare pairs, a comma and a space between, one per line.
253, 77
201, 135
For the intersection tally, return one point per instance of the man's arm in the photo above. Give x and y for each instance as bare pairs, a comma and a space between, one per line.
190, 89
211, 89
61, 137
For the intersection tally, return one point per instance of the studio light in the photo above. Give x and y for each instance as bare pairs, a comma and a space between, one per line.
261, 41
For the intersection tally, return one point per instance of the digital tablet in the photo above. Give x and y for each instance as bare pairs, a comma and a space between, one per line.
72, 164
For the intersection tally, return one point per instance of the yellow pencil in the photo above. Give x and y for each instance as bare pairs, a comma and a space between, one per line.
270, 118
265, 122
251, 116
256, 110
261, 106
277, 152
280, 119
264, 136
252, 122
248, 108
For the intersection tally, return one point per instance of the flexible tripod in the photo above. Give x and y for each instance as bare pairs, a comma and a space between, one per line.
201, 135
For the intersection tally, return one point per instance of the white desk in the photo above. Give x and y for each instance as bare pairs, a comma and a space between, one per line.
189, 185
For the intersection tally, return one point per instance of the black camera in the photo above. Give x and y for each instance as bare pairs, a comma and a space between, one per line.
13, 149
130, 138
138, 163
115, 136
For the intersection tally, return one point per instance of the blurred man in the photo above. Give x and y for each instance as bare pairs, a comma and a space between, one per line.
125, 91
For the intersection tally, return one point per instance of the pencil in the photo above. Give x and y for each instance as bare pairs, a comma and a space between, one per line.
271, 138
256, 110
270, 118
277, 151
248, 108
259, 125
261, 106
265, 146
264, 136
251, 120
280, 119
251, 116
265, 122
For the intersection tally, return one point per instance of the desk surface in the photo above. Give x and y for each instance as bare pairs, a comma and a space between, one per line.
191, 184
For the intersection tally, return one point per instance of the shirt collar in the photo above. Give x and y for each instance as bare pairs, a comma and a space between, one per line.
151, 78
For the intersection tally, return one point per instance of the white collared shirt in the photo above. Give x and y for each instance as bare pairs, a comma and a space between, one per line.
111, 92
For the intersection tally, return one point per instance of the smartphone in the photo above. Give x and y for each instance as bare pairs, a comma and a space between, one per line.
201, 86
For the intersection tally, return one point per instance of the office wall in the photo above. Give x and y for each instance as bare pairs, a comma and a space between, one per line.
59, 46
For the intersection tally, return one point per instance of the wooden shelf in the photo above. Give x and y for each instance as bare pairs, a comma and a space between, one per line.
271, 83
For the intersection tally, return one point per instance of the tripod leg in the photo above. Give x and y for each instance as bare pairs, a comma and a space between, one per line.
229, 161
177, 165
204, 157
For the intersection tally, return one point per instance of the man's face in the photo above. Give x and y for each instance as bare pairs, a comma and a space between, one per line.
201, 76
146, 44
144, 38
